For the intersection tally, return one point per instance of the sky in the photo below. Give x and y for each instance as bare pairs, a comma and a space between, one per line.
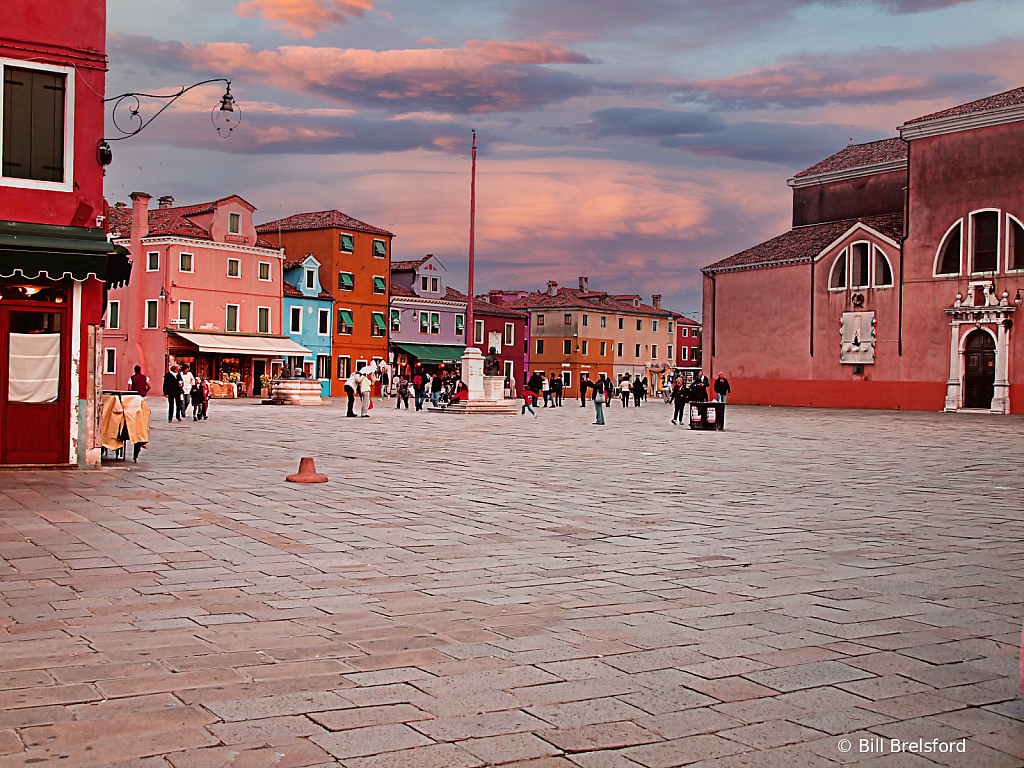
629, 142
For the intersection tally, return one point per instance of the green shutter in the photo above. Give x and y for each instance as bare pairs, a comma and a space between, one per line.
346, 317
347, 244
378, 320
379, 285
346, 281
379, 248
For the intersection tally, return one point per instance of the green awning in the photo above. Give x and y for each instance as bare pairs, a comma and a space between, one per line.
379, 248
345, 280
378, 320
46, 250
432, 353
346, 244
379, 285
346, 317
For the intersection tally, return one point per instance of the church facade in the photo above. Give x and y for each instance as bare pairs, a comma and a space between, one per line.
897, 286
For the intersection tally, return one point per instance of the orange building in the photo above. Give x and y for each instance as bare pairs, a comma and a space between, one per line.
355, 265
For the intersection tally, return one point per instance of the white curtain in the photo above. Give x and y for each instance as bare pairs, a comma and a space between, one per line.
34, 370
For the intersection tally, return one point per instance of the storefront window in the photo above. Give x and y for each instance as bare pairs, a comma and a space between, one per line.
33, 292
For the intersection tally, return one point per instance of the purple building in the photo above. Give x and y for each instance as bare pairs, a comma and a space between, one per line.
427, 322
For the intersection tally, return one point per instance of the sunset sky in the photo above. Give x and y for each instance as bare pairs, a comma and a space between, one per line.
632, 142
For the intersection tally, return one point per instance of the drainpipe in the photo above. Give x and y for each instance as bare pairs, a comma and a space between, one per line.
812, 306
906, 234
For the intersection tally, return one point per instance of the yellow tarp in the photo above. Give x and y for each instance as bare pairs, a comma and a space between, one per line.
124, 413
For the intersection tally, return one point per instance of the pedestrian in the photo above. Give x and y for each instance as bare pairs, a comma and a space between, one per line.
436, 385
403, 393
602, 390
198, 400
351, 389
644, 388
624, 390
666, 390
556, 390
545, 388
529, 398
365, 388
172, 391
679, 401
722, 388
187, 382
417, 385
205, 387
638, 392
702, 382
385, 381
138, 382
584, 385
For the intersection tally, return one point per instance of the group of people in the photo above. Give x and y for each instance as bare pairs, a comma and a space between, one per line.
181, 388
635, 388
696, 392
441, 388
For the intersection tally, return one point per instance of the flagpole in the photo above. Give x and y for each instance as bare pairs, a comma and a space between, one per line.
470, 330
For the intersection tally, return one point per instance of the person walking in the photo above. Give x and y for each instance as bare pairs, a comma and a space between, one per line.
624, 389
529, 398
403, 393
198, 400
556, 390
584, 386
351, 389
188, 381
436, 385
417, 386
602, 391
172, 391
385, 381
365, 389
545, 388
679, 401
701, 381
638, 392
644, 388
139, 382
722, 388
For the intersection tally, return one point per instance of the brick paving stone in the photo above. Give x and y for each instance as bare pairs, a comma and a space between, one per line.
432, 756
691, 749
509, 748
362, 742
786, 679
587, 738
9, 742
271, 730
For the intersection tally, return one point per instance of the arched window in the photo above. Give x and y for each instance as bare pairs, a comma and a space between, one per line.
883, 272
985, 241
1014, 243
838, 277
949, 251
859, 265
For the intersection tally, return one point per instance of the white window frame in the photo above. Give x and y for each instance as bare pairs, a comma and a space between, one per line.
270, 272
421, 324
478, 331
435, 285
508, 369
639, 324
604, 348
566, 346
654, 351
586, 321
227, 314
460, 319
350, 274
323, 314
191, 263
156, 317
604, 321
110, 361
239, 263
111, 305
374, 247
682, 352
540, 346
339, 310
67, 185
844, 259
584, 349
684, 331
190, 317
566, 379
395, 314
269, 318
670, 326
654, 325
669, 351
849, 265
373, 284
373, 325
510, 334
942, 247
149, 264
433, 328
310, 279
234, 223
291, 319
424, 284
344, 369
346, 234
970, 241
1006, 246
875, 252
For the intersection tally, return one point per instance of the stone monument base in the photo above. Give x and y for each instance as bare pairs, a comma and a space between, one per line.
295, 392
501, 407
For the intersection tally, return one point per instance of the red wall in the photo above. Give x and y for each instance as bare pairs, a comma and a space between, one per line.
30, 31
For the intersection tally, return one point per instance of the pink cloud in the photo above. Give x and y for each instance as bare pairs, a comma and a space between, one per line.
483, 76
304, 18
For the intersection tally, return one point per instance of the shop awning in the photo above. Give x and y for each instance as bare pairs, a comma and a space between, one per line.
258, 346
54, 252
432, 353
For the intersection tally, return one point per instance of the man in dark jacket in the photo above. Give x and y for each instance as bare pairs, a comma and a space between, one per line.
679, 392
173, 391
584, 385
722, 388
556, 389
139, 382
638, 391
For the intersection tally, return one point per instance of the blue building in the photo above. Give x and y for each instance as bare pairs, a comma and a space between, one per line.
307, 311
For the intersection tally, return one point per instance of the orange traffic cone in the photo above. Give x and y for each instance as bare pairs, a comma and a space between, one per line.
307, 473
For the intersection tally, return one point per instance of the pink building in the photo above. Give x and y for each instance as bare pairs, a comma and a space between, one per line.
897, 285
206, 291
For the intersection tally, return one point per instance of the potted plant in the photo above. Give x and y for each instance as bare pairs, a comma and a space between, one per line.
265, 383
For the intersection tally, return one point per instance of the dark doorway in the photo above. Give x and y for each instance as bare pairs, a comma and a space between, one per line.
259, 367
979, 370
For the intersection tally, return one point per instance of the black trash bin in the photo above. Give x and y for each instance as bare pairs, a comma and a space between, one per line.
707, 415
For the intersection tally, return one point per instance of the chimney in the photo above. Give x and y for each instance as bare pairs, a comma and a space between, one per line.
496, 297
166, 201
552, 288
656, 300
584, 284
140, 217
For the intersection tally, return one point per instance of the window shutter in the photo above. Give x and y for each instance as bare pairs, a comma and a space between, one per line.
33, 125
17, 156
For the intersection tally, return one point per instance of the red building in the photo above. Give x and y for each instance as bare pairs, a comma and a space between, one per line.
688, 348
206, 293
55, 260
898, 283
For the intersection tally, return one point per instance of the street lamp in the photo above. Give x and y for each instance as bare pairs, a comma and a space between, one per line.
225, 115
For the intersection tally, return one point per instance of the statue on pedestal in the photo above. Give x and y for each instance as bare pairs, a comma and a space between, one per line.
492, 365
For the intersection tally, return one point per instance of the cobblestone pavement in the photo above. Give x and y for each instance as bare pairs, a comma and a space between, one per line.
471, 591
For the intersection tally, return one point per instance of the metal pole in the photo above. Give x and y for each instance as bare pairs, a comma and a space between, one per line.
470, 331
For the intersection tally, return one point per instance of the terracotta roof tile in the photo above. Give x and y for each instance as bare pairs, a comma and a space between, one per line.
483, 307
1005, 99
320, 220
287, 289
858, 156
407, 266
573, 298
401, 290
170, 222
804, 243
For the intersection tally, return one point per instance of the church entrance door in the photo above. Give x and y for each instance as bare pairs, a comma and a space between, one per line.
979, 370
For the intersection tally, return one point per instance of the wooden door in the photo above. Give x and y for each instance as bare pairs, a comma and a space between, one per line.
34, 383
979, 370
